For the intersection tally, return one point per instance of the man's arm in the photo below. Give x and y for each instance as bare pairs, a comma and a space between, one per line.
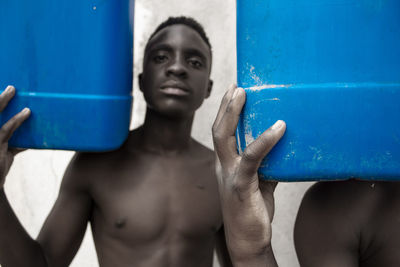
66, 224
325, 234
17, 248
222, 250
247, 203
60, 236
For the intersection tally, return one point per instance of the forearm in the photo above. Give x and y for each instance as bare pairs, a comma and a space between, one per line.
249, 241
17, 248
251, 247
265, 258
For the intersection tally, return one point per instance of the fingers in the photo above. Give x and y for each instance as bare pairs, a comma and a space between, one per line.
225, 100
10, 126
224, 131
256, 151
6, 96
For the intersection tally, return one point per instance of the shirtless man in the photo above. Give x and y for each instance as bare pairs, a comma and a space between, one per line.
154, 201
348, 224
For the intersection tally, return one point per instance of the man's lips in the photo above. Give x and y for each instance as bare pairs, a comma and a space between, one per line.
174, 91
172, 88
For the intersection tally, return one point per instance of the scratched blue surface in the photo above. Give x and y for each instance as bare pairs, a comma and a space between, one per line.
331, 70
71, 62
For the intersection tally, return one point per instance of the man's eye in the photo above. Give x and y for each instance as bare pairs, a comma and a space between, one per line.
160, 58
195, 63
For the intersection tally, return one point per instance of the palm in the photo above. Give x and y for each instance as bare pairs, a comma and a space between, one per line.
247, 202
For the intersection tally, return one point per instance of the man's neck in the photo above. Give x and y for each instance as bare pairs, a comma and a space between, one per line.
165, 135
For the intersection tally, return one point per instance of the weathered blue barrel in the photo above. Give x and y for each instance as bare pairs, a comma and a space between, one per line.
71, 63
331, 70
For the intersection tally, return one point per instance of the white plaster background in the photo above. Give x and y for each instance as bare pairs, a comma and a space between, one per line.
33, 182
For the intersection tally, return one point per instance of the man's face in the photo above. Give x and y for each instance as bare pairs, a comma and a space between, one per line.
176, 70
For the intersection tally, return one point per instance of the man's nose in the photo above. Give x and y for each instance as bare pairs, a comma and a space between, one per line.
177, 68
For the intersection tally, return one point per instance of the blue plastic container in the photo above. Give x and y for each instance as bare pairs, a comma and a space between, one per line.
331, 70
71, 63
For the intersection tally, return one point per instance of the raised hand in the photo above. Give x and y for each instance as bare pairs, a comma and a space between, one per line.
7, 154
247, 202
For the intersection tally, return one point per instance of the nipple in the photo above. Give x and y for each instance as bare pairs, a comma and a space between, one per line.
120, 223
201, 187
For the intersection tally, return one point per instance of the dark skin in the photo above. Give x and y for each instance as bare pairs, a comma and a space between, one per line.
154, 201
349, 223
247, 202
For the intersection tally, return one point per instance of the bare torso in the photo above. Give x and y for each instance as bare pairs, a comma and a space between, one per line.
151, 209
350, 223
154, 201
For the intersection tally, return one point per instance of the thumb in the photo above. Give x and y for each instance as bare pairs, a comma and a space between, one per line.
255, 152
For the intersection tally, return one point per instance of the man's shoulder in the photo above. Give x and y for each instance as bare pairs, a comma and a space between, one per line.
339, 201
330, 218
201, 151
86, 166
349, 217
350, 195
346, 208
90, 161
202, 159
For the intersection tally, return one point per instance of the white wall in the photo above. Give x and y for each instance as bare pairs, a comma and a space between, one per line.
34, 179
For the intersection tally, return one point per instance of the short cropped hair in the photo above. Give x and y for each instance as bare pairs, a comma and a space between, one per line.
190, 22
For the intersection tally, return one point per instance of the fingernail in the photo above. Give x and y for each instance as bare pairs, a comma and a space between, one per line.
236, 92
26, 111
9, 88
278, 124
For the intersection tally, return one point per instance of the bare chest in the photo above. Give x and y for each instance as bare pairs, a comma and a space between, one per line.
157, 201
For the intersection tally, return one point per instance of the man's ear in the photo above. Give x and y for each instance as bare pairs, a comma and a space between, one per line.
140, 76
209, 89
